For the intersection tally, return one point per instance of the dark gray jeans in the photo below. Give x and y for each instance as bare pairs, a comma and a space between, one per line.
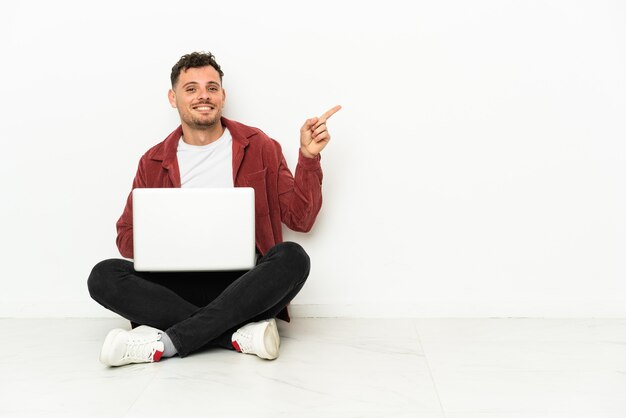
201, 309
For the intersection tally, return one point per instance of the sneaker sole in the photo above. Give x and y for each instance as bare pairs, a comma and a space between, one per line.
271, 341
107, 347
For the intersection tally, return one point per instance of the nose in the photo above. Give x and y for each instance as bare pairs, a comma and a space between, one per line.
203, 94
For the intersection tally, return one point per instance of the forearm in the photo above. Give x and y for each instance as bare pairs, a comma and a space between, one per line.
302, 201
124, 226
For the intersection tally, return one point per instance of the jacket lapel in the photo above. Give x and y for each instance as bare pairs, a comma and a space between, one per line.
167, 155
240, 142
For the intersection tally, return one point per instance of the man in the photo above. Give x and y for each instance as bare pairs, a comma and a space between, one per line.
181, 312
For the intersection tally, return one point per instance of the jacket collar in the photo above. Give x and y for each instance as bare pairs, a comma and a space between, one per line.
166, 151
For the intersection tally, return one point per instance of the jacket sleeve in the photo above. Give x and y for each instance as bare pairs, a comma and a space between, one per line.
300, 196
124, 225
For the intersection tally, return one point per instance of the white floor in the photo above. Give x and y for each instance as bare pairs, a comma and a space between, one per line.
430, 368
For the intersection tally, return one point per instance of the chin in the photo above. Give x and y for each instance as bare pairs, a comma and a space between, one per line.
204, 123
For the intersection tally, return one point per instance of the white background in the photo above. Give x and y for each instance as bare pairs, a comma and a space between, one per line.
477, 168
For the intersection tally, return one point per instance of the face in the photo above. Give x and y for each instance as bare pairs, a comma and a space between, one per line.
199, 97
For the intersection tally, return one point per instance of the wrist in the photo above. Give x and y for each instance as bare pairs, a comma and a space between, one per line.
306, 153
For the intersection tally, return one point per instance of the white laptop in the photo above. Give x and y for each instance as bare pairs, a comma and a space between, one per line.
193, 229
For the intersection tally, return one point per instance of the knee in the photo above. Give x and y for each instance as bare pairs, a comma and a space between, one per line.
101, 279
294, 256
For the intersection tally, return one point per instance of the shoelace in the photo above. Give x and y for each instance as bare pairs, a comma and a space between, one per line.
244, 340
140, 348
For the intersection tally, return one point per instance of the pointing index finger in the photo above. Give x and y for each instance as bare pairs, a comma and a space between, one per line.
329, 113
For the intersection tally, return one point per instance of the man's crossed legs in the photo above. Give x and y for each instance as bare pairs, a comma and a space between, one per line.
194, 310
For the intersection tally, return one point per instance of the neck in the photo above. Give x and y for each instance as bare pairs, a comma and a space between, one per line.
194, 136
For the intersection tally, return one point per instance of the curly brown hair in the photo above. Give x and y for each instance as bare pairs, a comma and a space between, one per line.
194, 60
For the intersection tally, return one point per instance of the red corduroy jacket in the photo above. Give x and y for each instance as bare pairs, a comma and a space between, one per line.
258, 162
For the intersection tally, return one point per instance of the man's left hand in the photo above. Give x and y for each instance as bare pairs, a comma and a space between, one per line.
314, 134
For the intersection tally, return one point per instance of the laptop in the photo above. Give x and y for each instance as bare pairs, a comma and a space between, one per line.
193, 229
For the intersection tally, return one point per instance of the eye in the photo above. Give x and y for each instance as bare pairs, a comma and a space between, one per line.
214, 89
190, 89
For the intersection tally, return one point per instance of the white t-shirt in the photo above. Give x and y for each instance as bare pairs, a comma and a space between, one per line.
206, 165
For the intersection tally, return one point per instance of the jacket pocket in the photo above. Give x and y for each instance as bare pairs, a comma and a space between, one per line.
256, 180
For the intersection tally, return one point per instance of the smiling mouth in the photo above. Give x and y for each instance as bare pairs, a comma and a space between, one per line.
203, 108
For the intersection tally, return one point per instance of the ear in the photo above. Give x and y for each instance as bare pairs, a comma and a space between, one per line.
171, 96
223, 95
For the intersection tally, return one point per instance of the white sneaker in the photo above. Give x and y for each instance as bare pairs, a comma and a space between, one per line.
259, 338
140, 345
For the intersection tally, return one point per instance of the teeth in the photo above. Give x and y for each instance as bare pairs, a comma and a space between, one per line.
204, 108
